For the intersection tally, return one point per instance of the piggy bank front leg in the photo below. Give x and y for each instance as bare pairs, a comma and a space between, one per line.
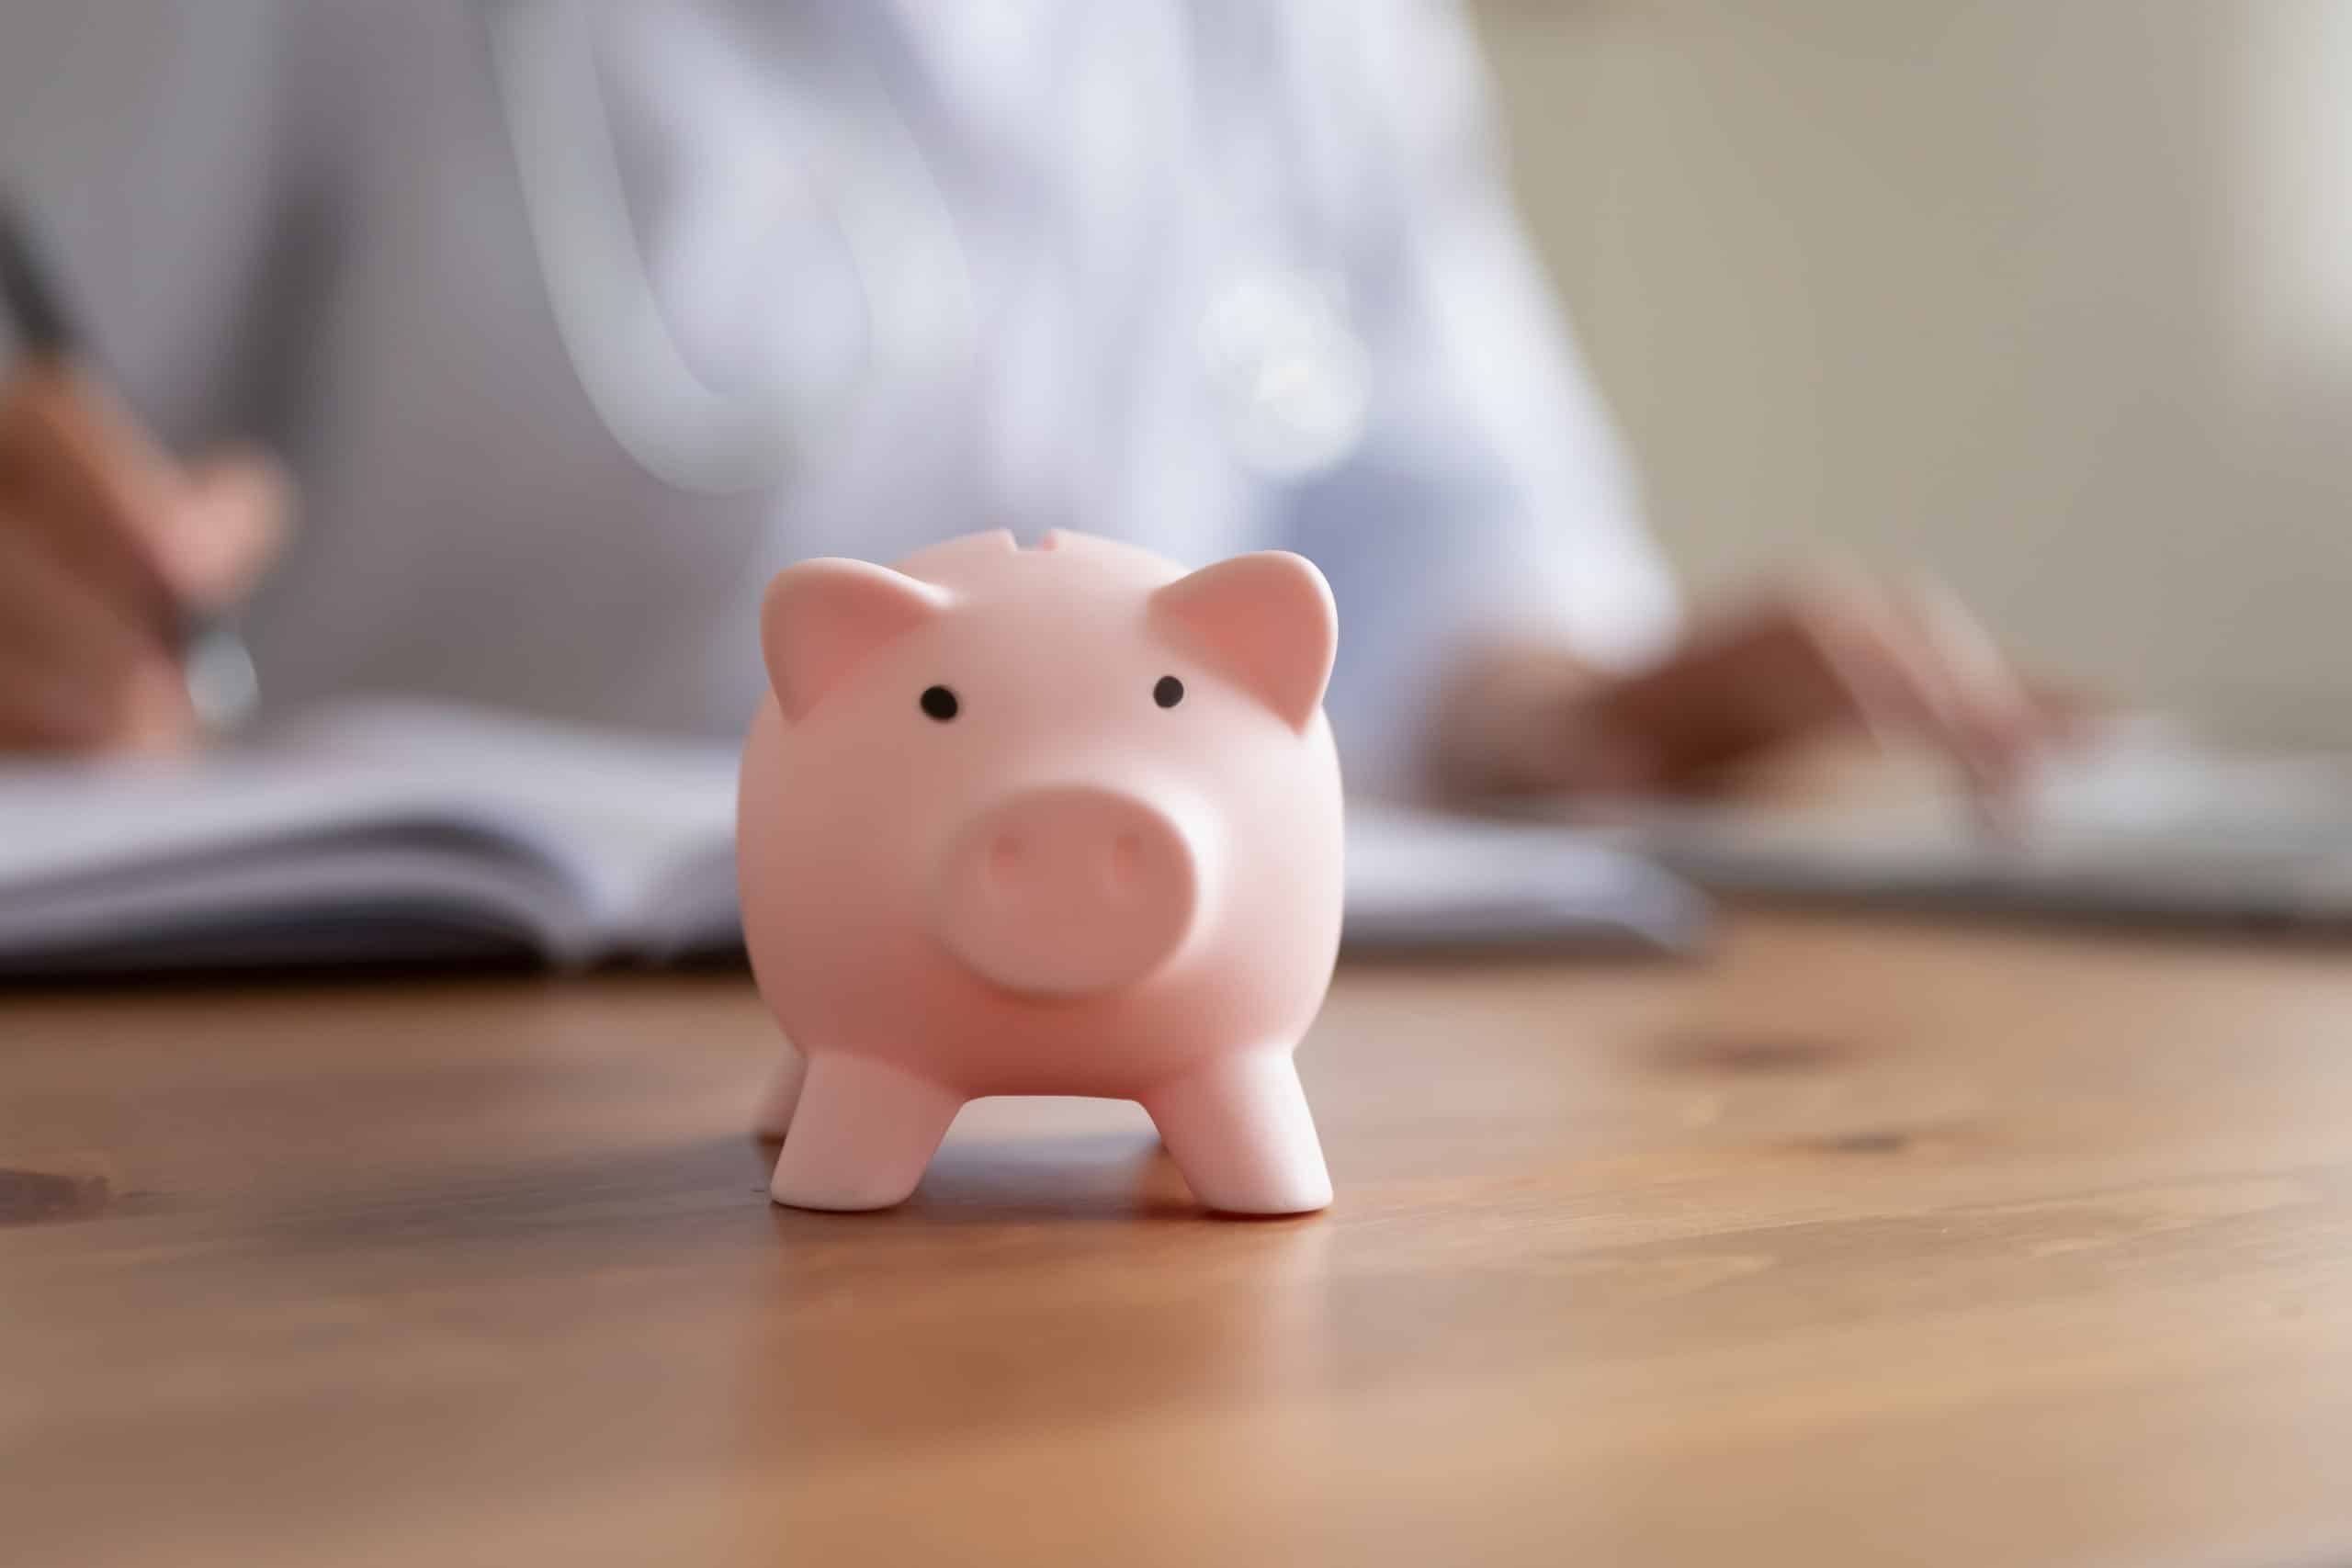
1240, 1130
772, 1117
860, 1135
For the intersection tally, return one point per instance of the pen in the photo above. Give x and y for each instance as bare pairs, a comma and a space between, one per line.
222, 686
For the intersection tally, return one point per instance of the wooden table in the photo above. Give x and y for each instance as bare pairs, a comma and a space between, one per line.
1860, 1243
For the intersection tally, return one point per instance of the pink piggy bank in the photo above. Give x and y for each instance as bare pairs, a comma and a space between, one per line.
1052, 821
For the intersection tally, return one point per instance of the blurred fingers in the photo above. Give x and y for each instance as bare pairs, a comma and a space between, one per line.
1928, 677
78, 473
2005, 721
231, 525
76, 671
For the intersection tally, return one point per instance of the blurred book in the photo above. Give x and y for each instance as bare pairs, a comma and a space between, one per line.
414, 832
385, 831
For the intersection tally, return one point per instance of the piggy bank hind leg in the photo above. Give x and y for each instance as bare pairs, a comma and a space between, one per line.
772, 1118
860, 1135
1240, 1130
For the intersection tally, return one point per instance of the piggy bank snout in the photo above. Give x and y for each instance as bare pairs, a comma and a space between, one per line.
1069, 891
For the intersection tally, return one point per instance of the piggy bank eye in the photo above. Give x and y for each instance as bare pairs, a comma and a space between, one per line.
1169, 692
939, 703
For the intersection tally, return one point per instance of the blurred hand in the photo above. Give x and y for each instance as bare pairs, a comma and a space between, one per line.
104, 543
1906, 665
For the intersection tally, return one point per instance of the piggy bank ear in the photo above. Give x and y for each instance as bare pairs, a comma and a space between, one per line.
821, 617
1267, 620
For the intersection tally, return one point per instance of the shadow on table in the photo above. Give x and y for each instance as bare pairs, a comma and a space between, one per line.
1063, 1178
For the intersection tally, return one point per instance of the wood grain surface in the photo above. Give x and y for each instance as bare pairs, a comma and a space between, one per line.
1858, 1242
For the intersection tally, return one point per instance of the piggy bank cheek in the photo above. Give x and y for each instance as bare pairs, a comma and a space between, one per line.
863, 800
1219, 740
1271, 798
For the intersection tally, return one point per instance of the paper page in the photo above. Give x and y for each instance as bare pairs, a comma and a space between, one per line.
637, 820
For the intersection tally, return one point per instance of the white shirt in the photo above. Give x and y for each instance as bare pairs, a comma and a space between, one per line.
307, 222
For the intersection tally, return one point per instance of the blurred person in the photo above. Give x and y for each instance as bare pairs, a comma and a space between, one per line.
573, 322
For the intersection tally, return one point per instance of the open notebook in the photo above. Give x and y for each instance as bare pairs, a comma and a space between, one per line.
408, 832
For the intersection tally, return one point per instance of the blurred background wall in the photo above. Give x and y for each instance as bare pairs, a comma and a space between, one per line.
2053, 299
